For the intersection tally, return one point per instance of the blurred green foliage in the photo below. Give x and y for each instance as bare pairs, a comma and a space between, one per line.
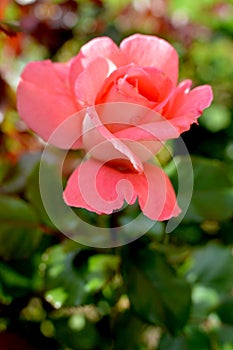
163, 291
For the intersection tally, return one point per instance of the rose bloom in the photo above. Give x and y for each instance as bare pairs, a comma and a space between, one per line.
119, 104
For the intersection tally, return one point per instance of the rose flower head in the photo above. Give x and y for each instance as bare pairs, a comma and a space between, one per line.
119, 104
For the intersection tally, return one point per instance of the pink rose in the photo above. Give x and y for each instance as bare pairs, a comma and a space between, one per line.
127, 103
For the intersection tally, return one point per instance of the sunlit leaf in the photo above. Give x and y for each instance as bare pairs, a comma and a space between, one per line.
216, 118
71, 277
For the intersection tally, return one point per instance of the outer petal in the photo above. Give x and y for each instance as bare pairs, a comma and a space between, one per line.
89, 82
187, 106
98, 47
146, 50
45, 101
102, 189
95, 186
102, 47
158, 202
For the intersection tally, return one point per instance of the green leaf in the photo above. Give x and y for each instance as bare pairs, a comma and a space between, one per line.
19, 228
216, 118
170, 343
34, 196
225, 310
224, 336
48, 196
12, 284
213, 267
212, 197
196, 339
83, 337
189, 233
18, 179
193, 339
150, 281
101, 269
128, 332
4, 168
63, 283
204, 300
74, 276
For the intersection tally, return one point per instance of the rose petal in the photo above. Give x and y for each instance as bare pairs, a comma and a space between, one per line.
89, 82
44, 101
97, 47
186, 106
106, 141
95, 187
146, 86
102, 144
146, 50
158, 201
128, 147
160, 130
102, 47
102, 189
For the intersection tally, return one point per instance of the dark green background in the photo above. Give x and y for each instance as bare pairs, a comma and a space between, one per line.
164, 291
